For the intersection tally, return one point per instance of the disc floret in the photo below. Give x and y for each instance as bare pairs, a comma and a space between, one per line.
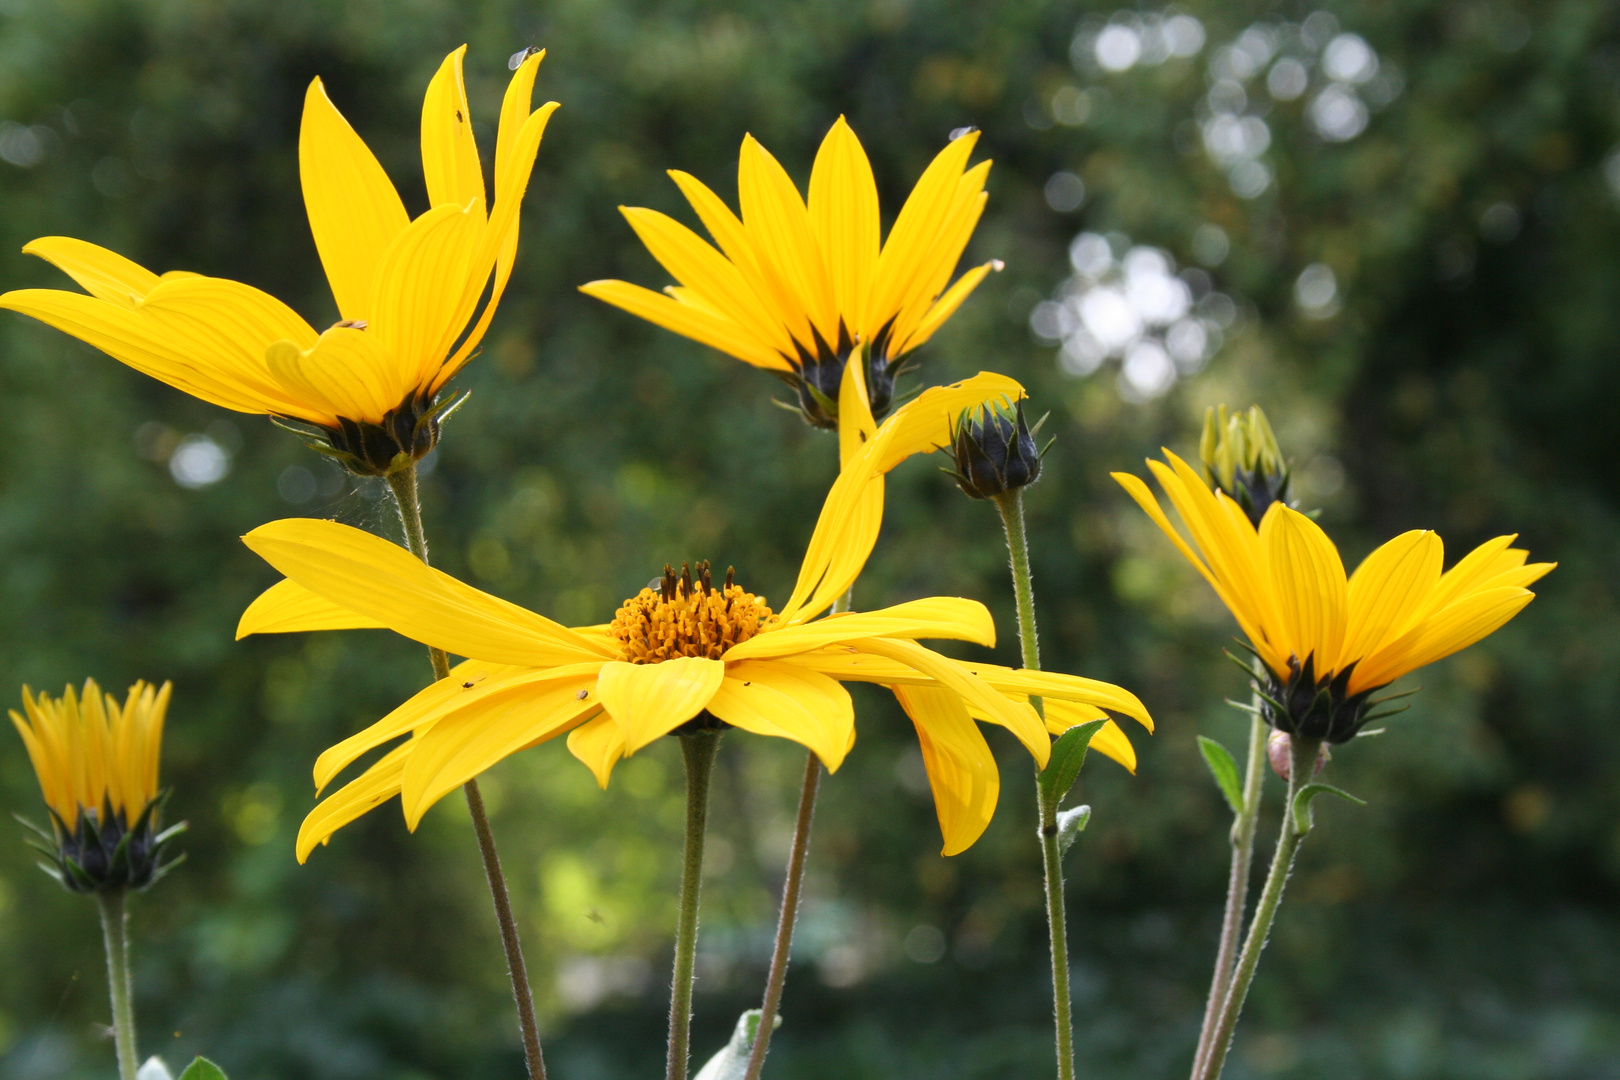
686, 615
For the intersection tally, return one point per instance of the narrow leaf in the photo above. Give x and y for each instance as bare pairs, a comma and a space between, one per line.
1068, 754
1302, 804
1225, 771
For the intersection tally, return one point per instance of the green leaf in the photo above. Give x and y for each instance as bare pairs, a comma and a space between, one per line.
1302, 804
1071, 823
1068, 754
203, 1069
1225, 771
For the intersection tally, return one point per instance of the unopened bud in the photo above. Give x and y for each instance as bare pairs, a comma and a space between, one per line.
995, 450
1280, 752
1241, 456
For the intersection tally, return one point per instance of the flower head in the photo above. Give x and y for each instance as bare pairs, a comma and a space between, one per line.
407, 291
97, 764
797, 287
685, 648
1326, 643
995, 450
1241, 458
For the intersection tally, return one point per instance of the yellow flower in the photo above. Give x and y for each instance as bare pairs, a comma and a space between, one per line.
796, 286
691, 647
97, 764
407, 291
1327, 643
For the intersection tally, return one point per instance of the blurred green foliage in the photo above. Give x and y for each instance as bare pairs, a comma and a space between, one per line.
1463, 378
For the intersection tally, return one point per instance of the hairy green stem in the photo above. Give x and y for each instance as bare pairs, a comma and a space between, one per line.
1302, 763
1011, 505
697, 750
115, 935
1237, 884
407, 498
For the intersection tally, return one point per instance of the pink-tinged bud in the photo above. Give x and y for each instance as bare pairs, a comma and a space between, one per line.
1279, 750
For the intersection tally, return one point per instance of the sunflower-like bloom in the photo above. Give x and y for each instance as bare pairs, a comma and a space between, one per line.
1325, 643
690, 650
407, 291
97, 764
797, 286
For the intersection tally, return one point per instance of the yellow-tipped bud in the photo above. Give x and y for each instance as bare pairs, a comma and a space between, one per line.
1241, 457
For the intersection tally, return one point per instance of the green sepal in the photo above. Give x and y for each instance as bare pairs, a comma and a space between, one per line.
203, 1069
1068, 754
1071, 823
1302, 804
1225, 772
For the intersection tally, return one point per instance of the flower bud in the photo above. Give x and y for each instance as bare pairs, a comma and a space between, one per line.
1241, 456
1280, 752
97, 764
995, 450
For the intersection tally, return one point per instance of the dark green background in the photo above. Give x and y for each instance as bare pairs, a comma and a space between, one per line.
1461, 925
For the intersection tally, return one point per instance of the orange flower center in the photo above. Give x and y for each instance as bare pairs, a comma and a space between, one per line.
687, 617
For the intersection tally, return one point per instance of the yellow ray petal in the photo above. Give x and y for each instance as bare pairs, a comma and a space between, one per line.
1475, 570
1110, 740
779, 223
354, 569
844, 219
470, 740
945, 617
951, 239
904, 255
365, 792
686, 320
1389, 588
788, 702
1017, 717
1456, 627
946, 305
1308, 581
416, 296
104, 274
856, 425
469, 684
961, 769
651, 700
1056, 686
287, 607
923, 425
348, 373
353, 209
449, 153
599, 744
515, 115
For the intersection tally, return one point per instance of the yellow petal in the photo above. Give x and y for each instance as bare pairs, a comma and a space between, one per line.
1056, 686
946, 617
449, 153
946, 306
856, 425
348, 373
1109, 740
688, 321
924, 424
954, 231
353, 209
469, 684
844, 219
600, 745
779, 223
515, 115
287, 607
651, 700
961, 769
1016, 716
416, 302
1389, 588
1308, 581
367, 574
788, 702
365, 792
104, 274
905, 253
1456, 627
466, 742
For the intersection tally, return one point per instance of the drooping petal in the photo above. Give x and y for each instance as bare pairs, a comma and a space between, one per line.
788, 702
104, 274
961, 769
347, 373
365, 792
844, 219
367, 574
470, 740
354, 210
599, 744
686, 320
856, 425
1389, 588
417, 293
945, 617
651, 700
287, 607
449, 152
1057, 686
1308, 581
